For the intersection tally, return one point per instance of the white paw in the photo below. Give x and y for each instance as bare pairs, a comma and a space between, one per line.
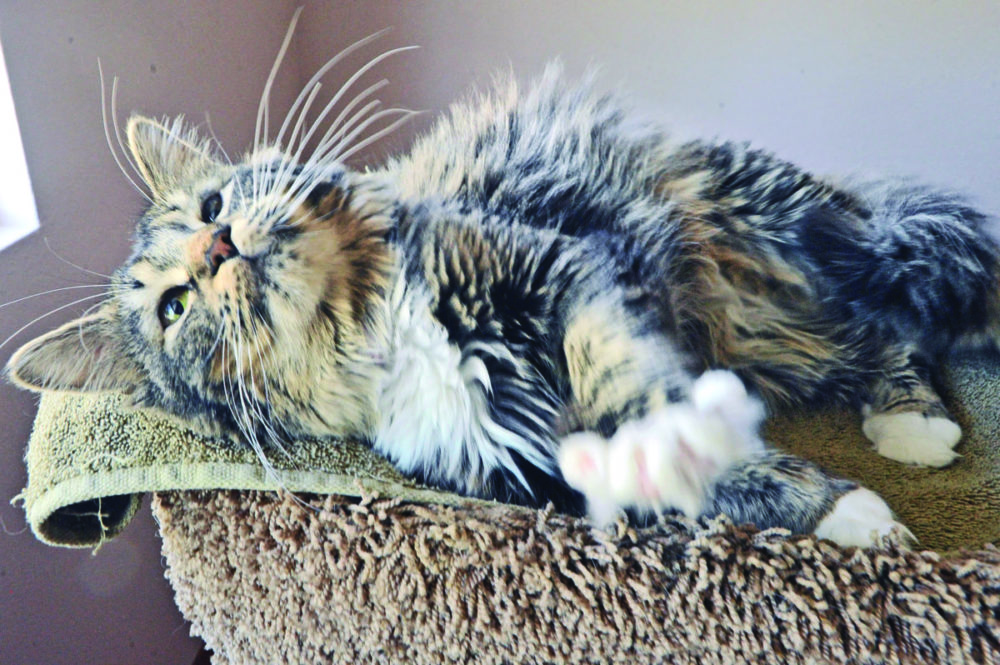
860, 518
668, 459
913, 438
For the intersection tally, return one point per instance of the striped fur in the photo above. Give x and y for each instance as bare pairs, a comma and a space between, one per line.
533, 267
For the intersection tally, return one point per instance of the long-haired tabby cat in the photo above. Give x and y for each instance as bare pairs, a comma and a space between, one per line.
536, 304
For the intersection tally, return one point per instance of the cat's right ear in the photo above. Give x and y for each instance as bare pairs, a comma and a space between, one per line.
166, 153
82, 355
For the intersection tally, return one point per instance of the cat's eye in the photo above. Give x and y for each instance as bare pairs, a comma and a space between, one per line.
211, 207
173, 305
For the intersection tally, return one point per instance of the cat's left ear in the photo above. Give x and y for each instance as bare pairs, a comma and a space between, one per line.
83, 355
166, 153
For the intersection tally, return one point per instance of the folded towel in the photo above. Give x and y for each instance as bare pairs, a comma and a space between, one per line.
396, 576
89, 460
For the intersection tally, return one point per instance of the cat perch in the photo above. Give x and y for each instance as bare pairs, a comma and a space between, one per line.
363, 566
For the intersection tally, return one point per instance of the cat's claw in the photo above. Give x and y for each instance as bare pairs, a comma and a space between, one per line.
913, 438
670, 458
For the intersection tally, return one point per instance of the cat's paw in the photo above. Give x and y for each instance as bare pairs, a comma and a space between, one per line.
861, 518
670, 458
913, 438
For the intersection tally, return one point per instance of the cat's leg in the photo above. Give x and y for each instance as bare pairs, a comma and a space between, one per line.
773, 489
703, 458
642, 431
906, 420
649, 437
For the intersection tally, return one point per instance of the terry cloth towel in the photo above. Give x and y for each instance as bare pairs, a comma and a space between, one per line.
407, 574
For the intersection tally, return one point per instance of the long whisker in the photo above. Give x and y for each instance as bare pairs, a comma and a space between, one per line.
319, 74
239, 415
107, 133
215, 344
335, 133
79, 327
324, 155
230, 389
70, 263
50, 313
289, 163
222, 151
118, 131
334, 154
260, 129
348, 108
215, 138
358, 74
50, 291
265, 418
406, 116
281, 177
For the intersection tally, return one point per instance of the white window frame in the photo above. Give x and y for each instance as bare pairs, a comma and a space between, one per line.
18, 214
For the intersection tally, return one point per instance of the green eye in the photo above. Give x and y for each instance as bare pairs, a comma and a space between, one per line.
173, 304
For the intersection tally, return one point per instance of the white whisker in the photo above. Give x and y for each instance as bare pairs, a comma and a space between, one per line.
334, 134
375, 87
56, 254
107, 133
265, 419
215, 344
332, 102
48, 314
260, 129
215, 139
319, 74
79, 325
62, 288
289, 162
118, 132
363, 70
408, 115
322, 156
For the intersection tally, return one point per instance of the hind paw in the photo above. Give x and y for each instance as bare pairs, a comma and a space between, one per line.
913, 438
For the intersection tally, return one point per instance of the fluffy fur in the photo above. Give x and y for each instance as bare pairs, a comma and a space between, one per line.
532, 272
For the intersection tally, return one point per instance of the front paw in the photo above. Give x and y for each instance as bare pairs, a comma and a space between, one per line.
670, 458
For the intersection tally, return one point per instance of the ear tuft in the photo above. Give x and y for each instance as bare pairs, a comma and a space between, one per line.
166, 152
82, 355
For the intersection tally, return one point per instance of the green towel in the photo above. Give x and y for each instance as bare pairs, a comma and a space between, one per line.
89, 461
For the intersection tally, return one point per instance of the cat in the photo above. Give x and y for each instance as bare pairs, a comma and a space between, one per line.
541, 302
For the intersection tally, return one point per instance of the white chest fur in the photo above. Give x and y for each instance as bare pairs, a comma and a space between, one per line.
434, 403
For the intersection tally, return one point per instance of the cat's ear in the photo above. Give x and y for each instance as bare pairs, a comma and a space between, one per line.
82, 355
166, 153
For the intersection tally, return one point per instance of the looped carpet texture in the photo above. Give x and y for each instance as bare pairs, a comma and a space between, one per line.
271, 579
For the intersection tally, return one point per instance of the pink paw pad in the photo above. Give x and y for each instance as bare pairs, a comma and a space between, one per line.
670, 458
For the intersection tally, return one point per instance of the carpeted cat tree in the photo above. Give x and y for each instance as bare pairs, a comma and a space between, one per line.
359, 566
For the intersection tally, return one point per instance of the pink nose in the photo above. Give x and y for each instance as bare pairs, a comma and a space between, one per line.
221, 249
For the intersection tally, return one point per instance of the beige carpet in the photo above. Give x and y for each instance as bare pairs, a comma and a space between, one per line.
423, 576
264, 579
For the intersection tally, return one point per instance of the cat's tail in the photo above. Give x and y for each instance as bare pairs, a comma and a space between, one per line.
919, 264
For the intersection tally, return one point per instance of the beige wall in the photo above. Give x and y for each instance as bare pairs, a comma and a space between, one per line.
912, 87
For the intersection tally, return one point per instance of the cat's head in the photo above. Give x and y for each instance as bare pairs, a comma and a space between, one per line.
249, 298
